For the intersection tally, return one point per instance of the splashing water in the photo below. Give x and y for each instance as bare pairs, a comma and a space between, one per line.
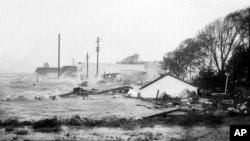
24, 87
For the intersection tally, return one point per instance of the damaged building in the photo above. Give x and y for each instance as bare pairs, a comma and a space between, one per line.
167, 84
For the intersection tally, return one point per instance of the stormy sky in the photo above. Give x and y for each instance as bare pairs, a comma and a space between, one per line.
29, 28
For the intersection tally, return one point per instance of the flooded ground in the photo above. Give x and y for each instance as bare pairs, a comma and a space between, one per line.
95, 107
17, 100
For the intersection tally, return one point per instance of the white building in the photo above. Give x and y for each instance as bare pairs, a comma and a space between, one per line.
128, 72
169, 84
123, 69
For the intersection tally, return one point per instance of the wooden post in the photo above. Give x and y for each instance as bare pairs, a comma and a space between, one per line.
87, 57
190, 72
226, 84
97, 50
157, 94
58, 69
248, 34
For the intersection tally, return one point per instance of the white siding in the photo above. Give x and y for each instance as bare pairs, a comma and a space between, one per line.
168, 84
105, 68
52, 75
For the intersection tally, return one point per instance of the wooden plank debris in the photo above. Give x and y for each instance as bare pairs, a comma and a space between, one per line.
167, 111
79, 92
124, 89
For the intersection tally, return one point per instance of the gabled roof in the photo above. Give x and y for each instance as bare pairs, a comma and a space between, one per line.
144, 86
42, 70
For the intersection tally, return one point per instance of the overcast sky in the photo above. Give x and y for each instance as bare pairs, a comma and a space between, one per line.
29, 28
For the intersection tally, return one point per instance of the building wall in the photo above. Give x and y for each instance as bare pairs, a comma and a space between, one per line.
133, 75
168, 84
50, 75
104, 68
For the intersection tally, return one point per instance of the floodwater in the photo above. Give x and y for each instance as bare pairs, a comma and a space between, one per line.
17, 99
18, 91
18, 94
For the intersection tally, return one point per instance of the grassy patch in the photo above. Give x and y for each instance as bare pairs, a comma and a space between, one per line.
191, 119
195, 119
14, 123
93, 123
9, 128
22, 132
47, 125
11, 122
127, 124
74, 121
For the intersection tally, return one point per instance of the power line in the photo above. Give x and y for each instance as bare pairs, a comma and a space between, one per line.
202, 5
212, 4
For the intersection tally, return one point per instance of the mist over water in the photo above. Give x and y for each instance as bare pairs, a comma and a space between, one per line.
16, 86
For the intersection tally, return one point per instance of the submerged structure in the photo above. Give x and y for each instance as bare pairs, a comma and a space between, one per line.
168, 84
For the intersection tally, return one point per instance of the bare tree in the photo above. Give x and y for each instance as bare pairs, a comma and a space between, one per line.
133, 59
186, 57
219, 39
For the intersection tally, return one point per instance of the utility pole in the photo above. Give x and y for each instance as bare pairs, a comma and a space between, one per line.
73, 62
97, 50
87, 57
249, 32
226, 83
190, 70
59, 56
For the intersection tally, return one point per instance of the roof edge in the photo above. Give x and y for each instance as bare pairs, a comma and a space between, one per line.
157, 79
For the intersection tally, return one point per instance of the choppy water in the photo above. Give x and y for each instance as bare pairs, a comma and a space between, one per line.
18, 92
24, 87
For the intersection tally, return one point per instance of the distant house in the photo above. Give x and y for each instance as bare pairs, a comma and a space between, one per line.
52, 72
83, 75
129, 75
168, 84
46, 65
145, 72
111, 77
45, 72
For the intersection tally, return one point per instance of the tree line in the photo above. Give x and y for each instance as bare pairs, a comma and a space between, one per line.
132, 59
221, 48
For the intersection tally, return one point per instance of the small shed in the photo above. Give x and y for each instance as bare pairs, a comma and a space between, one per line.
111, 77
168, 84
46, 72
